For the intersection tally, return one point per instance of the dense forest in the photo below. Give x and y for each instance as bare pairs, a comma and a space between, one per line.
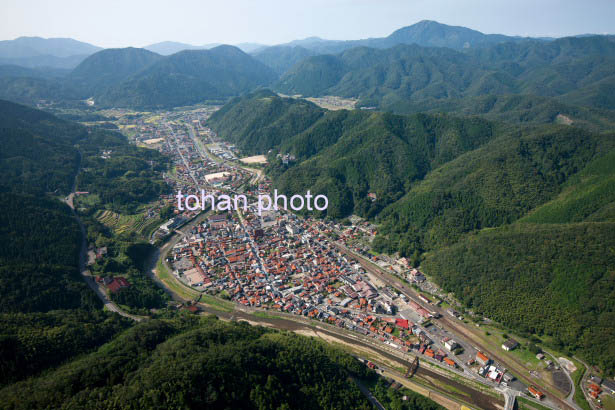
564, 273
518, 110
205, 363
560, 257
34, 341
120, 175
491, 186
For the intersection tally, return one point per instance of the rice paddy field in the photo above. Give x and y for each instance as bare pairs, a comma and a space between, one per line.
127, 224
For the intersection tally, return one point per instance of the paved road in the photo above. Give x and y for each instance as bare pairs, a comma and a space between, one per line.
570, 397
583, 379
97, 288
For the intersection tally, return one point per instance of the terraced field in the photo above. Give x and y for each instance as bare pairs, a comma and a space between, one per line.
127, 224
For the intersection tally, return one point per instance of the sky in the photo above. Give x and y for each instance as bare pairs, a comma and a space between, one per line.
138, 23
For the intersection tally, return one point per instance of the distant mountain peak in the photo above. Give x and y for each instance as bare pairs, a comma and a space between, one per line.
428, 22
23, 47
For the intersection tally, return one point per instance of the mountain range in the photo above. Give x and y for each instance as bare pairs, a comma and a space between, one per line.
577, 69
189, 77
422, 67
45, 52
135, 77
425, 33
167, 48
68, 53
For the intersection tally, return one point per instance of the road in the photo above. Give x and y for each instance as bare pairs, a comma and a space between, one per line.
186, 164
368, 394
583, 383
570, 397
97, 288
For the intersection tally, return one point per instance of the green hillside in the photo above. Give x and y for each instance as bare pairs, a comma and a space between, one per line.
281, 58
588, 196
261, 121
204, 363
345, 155
30, 90
109, 67
34, 341
494, 185
381, 153
553, 281
514, 109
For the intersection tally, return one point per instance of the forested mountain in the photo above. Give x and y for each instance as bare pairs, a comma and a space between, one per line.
579, 70
551, 281
494, 185
425, 33
11, 70
30, 90
447, 188
518, 109
109, 67
46, 61
260, 121
189, 77
37, 153
132, 77
430, 33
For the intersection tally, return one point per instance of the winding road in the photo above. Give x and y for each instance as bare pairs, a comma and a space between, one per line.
85, 273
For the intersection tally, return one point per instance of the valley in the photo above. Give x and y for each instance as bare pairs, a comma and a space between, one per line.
197, 273
421, 217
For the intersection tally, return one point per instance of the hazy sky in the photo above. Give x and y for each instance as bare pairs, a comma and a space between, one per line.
138, 23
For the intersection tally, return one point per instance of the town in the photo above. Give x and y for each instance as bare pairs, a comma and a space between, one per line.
259, 256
